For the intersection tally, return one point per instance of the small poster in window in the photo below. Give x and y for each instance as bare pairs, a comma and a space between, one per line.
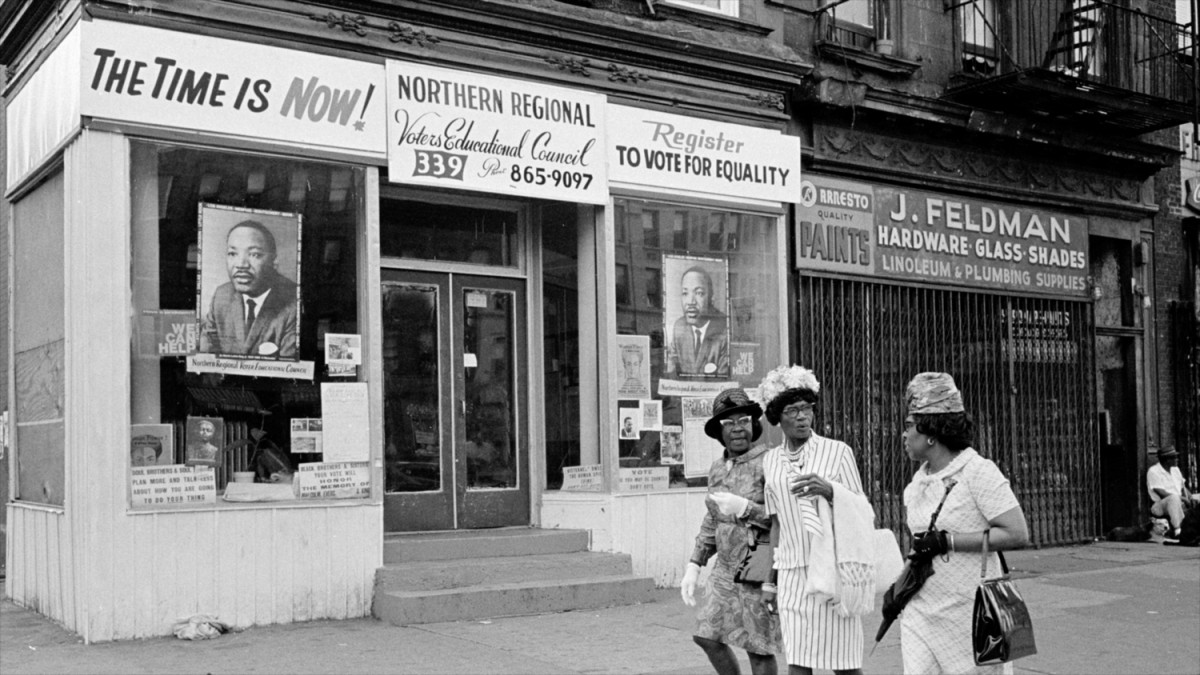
205, 441
334, 480
634, 368
151, 445
167, 333
629, 421
699, 450
742, 356
651, 415
696, 317
346, 422
172, 485
583, 478
643, 479
248, 298
672, 444
343, 349
307, 435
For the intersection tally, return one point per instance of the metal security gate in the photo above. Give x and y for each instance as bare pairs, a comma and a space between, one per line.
1185, 329
1025, 367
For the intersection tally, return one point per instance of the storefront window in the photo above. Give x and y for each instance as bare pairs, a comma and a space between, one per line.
702, 316
246, 331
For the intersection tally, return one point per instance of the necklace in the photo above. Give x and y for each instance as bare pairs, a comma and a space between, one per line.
795, 457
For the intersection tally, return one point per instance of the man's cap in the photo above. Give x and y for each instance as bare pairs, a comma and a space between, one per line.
1168, 451
932, 394
728, 403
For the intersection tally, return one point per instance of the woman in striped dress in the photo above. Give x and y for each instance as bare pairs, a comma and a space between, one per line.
796, 474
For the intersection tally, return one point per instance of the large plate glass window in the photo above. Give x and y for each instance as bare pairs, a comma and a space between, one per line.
246, 352
700, 314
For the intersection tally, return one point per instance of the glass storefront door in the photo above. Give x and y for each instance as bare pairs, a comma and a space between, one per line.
456, 446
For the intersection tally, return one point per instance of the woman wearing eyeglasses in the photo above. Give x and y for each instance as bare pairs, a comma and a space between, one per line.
798, 473
734, 614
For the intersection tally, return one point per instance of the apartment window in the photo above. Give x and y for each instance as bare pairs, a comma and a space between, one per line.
858, 23
977, 25
726, 7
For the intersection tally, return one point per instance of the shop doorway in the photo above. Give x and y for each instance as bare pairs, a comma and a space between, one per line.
454, 373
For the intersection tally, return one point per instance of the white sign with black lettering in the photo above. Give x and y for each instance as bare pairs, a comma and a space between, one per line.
174, 485
469, 131
334, 480
586, 478
657, 149
644, 479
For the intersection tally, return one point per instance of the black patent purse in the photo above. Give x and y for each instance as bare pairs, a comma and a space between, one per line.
1001, 628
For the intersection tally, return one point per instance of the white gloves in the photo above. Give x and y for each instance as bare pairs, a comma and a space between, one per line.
730, 504
688, 587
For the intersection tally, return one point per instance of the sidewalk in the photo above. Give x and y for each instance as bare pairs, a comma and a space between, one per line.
1100, 608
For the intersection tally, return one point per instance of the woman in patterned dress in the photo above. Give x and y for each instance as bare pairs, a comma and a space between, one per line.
797, 473
935, 626
734, 614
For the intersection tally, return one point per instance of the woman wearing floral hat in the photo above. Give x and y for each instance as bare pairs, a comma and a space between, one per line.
802, 470
734, 614
935, 626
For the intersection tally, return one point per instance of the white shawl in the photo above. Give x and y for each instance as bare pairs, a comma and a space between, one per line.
841, 567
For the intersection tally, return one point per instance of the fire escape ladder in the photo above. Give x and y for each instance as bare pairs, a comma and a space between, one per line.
1075, 41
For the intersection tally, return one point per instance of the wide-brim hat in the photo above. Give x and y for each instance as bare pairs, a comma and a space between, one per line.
728, 403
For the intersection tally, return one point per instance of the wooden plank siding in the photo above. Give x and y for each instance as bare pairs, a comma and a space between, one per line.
109, 574
41, 555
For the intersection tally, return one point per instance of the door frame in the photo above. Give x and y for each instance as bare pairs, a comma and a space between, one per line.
527, 271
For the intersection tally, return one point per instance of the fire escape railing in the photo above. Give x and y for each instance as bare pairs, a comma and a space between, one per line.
1089, 40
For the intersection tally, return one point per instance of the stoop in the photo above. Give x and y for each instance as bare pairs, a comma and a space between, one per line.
430, 577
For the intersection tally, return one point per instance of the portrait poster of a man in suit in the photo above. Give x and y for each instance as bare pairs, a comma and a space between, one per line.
248, 302
696, 316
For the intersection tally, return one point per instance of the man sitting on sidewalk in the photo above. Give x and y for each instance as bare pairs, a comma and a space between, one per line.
1167, 490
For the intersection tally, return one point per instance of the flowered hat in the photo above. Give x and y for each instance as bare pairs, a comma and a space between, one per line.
786, 377
933, 394
732, 402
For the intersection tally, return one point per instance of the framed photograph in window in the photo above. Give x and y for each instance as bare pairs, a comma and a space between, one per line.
696, 317
248, 298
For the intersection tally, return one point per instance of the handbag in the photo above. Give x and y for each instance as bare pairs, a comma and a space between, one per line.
755, 567
1001, 629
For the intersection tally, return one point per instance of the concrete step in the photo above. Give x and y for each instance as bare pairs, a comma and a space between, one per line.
434, 575
459, 544
403, 608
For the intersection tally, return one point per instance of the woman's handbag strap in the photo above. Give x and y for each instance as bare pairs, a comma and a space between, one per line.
983, 563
